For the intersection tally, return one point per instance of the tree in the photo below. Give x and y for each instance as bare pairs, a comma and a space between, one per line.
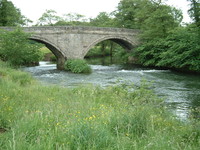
103, 20
153, 17
194, 11
126, 13
72, 19
17, 49
179, 50
26, 21
48, 18
162, 20
9, 14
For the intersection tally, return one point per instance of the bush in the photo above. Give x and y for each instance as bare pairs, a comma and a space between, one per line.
16, 49
180, 50
77, 66
53, 58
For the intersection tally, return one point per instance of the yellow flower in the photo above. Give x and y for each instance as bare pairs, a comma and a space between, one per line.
127, 134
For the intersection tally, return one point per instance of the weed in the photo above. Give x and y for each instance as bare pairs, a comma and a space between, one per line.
77, 66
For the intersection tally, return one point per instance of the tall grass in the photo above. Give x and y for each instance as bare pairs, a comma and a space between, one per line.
37, 117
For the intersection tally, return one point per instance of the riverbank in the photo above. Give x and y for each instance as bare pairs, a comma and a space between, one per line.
33, 116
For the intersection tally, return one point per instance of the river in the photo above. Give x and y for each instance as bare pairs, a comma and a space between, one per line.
180, 91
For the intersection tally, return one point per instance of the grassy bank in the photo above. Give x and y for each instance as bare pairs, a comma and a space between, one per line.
34, 117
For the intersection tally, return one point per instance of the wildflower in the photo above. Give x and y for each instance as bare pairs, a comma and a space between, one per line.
127, 134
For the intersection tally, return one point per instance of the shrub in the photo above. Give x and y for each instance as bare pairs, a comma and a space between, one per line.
53, 58
179, 50
77, 66
16, 49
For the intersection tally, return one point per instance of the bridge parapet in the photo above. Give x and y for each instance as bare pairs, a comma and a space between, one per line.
76, 29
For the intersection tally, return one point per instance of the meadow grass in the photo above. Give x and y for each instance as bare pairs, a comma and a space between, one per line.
38, 117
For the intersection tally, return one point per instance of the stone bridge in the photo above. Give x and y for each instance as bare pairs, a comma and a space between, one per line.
68, 42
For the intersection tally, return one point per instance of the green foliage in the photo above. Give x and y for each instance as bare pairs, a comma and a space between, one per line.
53, 58
9, 14
45, 50
179, 50
10, 74
155, 19
88, 118
103, 19
101, 49
110, 49
48, 18
71, 23
74, 17
149, 52
77, 66
121, 55
161, 21
194, 11
126, 13
165, 44
17, 49
183, 51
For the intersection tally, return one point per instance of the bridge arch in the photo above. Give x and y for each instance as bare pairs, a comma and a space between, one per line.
126, 43
53, 48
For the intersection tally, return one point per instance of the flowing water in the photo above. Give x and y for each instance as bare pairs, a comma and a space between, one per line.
180, 91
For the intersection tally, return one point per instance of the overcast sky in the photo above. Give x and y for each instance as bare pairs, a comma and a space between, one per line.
33, 9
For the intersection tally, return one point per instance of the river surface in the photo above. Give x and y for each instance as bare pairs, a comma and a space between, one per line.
180, 91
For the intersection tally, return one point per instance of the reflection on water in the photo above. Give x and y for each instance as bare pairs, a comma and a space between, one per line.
181, 91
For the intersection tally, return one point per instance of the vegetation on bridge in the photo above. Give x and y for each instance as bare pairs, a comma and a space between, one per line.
37, 117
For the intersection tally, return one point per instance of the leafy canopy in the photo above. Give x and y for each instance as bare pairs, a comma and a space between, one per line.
154, 18
17, 49
180, 50
194, 11
9, 14
48, 18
